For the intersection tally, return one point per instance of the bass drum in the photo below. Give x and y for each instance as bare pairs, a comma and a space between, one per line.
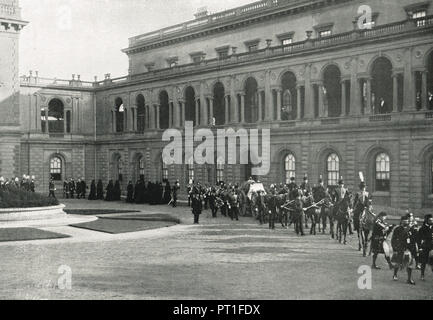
387, 249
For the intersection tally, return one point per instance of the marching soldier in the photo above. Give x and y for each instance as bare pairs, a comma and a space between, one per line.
305, 186
402, 241
176, 188
299, 214
66, 189
271, 203
292, 186
425, 243
381, 230
32, 184
212, 202
71, 188
320, 193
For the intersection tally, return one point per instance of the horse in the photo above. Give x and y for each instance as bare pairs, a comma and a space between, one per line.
366, 223
282, 209
343, 216
312, 213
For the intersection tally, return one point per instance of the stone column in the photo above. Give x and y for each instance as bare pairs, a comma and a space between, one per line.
182, 114
299, 101
197, 112
234, 114
309, 98
114, 119
260, 112
211, 115
152, 116
409, 90
368, 106
37, 109
158, 108
355, 100
203, 107
323, 112
279, 91
242, 94
130, 119
269, 103
394, 92
226, 108
343, 97
424, 96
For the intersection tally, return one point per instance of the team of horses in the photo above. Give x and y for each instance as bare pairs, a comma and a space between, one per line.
339, 215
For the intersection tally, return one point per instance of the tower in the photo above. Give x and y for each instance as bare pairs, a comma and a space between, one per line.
10, 135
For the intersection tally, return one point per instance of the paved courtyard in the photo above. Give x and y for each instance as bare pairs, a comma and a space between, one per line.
218, 259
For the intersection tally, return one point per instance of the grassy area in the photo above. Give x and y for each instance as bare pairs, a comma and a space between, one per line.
14, 197
96, 212
149, 217
26, 234
119, 225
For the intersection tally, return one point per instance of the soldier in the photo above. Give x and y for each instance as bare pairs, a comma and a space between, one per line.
32, 184
292, 186
402, 239
189, 190
130, 192
425, 244
51, 189
362, 202
305, 186
299, 213
212, 202
381, 230
196, 202
234, 204
320, 193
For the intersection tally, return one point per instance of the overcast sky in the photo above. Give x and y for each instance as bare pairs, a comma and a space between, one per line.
85, 37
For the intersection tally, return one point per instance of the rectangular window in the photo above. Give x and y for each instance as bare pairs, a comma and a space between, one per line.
325, 33
420, 17
253, 47
223, 54
286, 44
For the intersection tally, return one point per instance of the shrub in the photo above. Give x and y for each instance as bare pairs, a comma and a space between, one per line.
13, 197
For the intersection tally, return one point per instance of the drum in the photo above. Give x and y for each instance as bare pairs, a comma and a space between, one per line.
387, 249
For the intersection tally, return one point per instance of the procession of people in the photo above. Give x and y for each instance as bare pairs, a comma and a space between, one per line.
308, 208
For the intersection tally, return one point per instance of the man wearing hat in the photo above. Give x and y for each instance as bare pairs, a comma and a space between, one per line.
320, 193
362, 202
32, 184
425, 244
292, 186
402, 239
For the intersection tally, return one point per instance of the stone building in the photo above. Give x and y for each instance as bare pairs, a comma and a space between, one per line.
343, 89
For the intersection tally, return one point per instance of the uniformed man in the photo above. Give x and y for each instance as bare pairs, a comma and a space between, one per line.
299, 213
305, 186
32, 184
401, 242
320, 193
381, 230
271, 204
196, 203
292, 186
425, 244
51, 189
176, 188
362, 202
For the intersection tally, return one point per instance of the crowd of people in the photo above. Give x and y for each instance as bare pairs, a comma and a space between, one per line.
26, 182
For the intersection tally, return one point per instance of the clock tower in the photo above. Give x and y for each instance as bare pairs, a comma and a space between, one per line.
10, 133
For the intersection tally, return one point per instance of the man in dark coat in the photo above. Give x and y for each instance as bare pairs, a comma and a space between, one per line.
78, 189
401, 242
92, 194
66, 189
130, 192
71, 188
83, 188
196, 203
100, 190
176, 188
109, 193
116, 191
52, 189
425, 244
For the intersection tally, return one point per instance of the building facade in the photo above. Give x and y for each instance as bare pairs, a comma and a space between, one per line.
342, 90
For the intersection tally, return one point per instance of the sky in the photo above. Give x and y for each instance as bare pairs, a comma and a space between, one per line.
85, 37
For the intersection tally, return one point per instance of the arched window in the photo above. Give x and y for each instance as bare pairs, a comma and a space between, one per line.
141, 167
56, 169
251, 101
289, 167
333, 169
220, 170
164, 171
332, 90
382, 172
119, 169
68, 121
190, 105
219, 104
288, 84
141, 113
164, 112
56, 116
382, 86
120, 111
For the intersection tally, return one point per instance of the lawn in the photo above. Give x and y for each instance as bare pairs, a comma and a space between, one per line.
26, 234
120, 225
